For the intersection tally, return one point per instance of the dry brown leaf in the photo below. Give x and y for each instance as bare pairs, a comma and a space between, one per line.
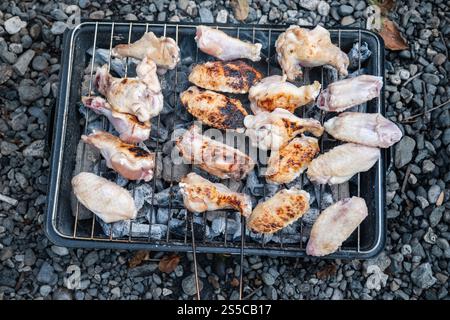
234, 282
138, 258
168, 263
240, 9
327, 271
440, 199
393, 39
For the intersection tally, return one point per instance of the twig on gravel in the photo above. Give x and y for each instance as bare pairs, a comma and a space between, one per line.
427, 111
412, 78
405, 180
442, 39
251, 294
9, 200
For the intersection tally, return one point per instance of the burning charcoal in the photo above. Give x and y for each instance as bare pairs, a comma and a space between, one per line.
259, 237
211, 215
141, 194
102, 57
164, 197
167, 108
310, 217
357, 73
327, 200
121, 181
158, 133
233, 185
271, 189
118, 229
187, 61
330, 74
287, 238
260, 37
149, 214
158, 231
174, 172
252, 183
356, 53
162, 215
218, 225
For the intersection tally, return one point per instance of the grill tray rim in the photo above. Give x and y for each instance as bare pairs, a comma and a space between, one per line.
57, 131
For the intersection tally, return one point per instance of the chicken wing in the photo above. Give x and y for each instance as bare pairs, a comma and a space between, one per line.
140, 96
132, 162
200, 195
308, 48
233, 76
274, 130
214, 157
341, 163
274, 92
128, 126
344, 94
214, 109
163, 51
106, 199
370, 129
290, 161
334, 225
220, 45
281, 210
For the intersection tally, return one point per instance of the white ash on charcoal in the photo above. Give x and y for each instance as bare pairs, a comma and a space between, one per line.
118, 66
358, 56
127, 228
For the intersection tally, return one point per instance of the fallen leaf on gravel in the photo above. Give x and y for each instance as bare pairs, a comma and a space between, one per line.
138, 258
393, 39
327, 271
440, 199
169, 263
240, 9
234, 282
385, 5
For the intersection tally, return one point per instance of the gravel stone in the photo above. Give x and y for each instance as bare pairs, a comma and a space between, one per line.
91, 258
422, 276
21, 66
404, 151
206, 15
39, 63
47, 274
189, 287
14, 24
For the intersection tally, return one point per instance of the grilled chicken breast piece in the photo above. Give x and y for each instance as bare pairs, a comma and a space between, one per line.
271, 131
370, 129
232, 77
163, 50
282, 209
274, 92
140, 96
214, 109
128, 126
132, 162
104, 198
334, 225
214, 157
200, 195
347, 93
224, 47
308, 48
291, 160
341, 163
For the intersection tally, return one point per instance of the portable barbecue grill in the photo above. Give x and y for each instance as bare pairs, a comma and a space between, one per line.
65, 227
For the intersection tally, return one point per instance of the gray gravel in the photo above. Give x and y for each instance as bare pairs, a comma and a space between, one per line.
415, 263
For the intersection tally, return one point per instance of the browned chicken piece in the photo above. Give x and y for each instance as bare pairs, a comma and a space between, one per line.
281, 210
274, 92
214, 157
308, 48
163, 51
271, 131
232, 77
214, 109
132, 162
290, 161
201, 195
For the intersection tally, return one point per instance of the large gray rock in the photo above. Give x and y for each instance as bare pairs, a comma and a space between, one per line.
21, 65
422, 276
14, 24
404, 151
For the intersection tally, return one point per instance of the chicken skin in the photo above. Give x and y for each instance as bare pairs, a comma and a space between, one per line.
140, 96
104, 198
214, 109
232, 77
163, 51
370, 129
132, 162
200, 195
223, 47
289, 162
308, 48
214, 157
271, 131
281, 210
341, 163
274, 92
347, 93
128, 126
334, 225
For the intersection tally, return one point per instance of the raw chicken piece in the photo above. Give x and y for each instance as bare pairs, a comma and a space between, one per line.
370, 129
281, 210
273, 130
274, 92
131, 130
290, 161
132, 162
341, 163
308, 48
214, 157
214, 109
163, 51
220, 45
233, 76
201, 195
106, 199
334, 225
140, 96
344, 94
